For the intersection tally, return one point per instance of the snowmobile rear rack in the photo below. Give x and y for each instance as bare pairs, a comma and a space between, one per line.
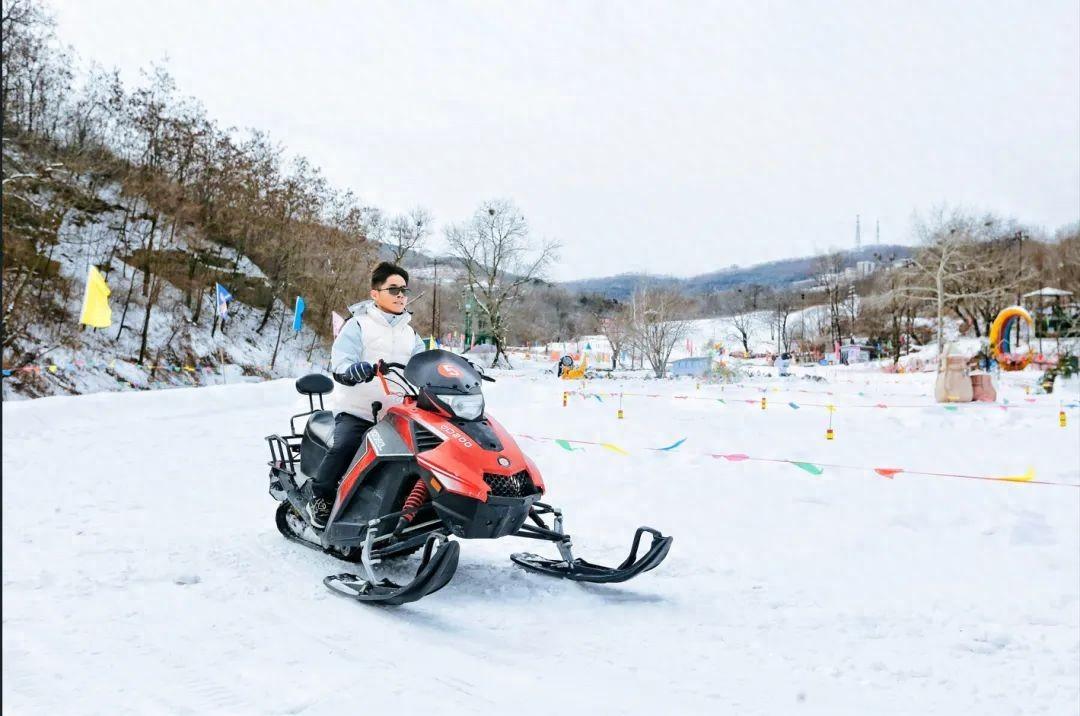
284, 452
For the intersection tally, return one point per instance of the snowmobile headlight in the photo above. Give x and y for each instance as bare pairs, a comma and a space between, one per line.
469, 407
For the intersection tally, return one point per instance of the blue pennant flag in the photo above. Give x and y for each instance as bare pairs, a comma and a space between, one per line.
223, 298
298, 315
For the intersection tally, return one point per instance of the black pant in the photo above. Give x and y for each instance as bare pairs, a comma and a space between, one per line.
348, 434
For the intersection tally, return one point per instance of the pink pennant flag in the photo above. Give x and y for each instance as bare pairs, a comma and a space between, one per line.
337, 321
733, 457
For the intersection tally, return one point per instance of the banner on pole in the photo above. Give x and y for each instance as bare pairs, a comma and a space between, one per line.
298, 314
223, 298
95, 309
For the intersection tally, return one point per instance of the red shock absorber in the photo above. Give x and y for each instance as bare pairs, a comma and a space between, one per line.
417, 497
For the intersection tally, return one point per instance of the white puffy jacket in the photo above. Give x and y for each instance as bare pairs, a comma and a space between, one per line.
370, 334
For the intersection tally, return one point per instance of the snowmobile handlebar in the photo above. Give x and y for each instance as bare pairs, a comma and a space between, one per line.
383, 366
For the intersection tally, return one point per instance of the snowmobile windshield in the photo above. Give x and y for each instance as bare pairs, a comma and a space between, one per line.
442, 373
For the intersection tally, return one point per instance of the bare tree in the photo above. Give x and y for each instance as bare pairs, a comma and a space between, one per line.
499, 259
949, 267
619, 331
995, 265
35, 77
740, 307
608, 317
829, 275
408, 232
886, 311
658, 317
782, 305
375, 224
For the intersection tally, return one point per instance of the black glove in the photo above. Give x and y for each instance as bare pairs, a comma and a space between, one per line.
359, 372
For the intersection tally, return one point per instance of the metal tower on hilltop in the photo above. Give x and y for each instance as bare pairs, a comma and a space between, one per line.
877, 232
858, 234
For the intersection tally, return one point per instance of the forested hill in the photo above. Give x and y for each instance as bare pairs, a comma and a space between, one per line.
774, 274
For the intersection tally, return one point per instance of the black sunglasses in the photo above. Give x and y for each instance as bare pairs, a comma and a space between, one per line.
396, 290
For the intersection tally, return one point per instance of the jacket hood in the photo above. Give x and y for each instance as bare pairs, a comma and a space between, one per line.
358, 309
368, 306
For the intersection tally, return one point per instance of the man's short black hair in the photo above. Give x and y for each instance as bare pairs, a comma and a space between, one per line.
384, 271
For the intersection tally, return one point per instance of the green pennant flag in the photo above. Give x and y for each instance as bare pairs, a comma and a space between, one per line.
951, 408
809, 467
565, 445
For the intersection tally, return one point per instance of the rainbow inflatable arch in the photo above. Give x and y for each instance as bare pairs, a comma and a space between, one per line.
999, 338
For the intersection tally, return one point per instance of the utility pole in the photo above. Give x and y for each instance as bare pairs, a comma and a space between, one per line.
435, 298
1019, 237
1019, 274
802, 318
851, 302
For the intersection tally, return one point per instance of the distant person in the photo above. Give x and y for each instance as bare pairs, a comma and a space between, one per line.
378, 330
782, 364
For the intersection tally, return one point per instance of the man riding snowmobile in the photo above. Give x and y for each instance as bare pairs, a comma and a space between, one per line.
378, 330
434, 466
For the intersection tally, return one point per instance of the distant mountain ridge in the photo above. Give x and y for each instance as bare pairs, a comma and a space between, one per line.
775, 274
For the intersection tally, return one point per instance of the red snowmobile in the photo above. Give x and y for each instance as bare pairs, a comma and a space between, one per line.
433, 467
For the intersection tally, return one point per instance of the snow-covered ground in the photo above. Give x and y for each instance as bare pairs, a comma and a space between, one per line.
142, 572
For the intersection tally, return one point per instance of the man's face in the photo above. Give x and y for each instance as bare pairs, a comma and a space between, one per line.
385, 297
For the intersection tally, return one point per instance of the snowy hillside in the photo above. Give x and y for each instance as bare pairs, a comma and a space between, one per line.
184, 352
149, 576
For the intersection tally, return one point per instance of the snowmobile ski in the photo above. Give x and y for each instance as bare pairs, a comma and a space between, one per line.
579, 570
437, 566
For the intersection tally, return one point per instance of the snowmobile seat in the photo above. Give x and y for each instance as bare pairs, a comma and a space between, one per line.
311, 385
314, 384
318, 437
320, 426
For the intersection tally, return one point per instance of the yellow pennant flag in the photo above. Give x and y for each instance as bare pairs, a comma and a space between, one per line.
1026, 477
95, 310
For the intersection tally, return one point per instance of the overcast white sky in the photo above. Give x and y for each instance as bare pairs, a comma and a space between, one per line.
663, 137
